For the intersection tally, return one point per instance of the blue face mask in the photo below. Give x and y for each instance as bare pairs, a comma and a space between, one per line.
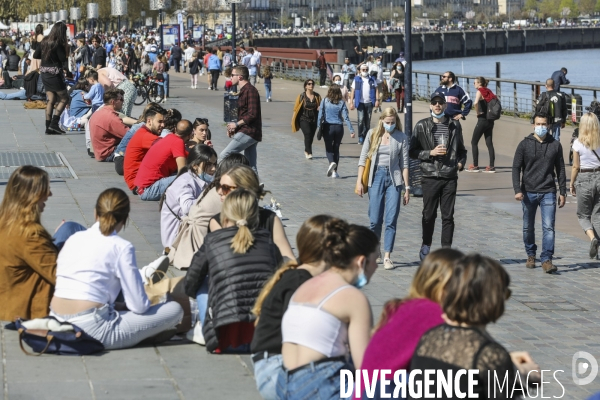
206, 177
438, 116
390, 127
541, 131
362, 281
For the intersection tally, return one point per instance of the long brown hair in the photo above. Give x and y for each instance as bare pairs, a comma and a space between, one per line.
19, 211
112, 208
334, 94
379, 130
310, 250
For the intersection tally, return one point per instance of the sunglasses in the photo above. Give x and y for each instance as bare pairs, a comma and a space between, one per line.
310, 84
202, 121
437, 103
226, 189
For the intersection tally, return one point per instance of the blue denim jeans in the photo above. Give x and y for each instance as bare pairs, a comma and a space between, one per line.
547, 203
313, 381
155, 191
268, 90
65, 231
18, 95
202, 300
265, 374
364, 112
125, 141
555, 129
384, 206
242, 142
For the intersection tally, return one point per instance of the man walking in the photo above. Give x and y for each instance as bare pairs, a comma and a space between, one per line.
364, 96
538, 161
322, 65
458, 103
560, 78
553, 104
246, 132
437, 142
177, 55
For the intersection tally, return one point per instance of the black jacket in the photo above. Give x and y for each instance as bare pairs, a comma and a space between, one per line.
13, 62
422, 142
235, 280
176, 52
540, 163
99, 57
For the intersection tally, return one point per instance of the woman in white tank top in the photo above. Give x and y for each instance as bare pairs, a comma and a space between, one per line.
328, 317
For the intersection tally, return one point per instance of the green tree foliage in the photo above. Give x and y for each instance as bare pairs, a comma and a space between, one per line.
531, 5
588, 6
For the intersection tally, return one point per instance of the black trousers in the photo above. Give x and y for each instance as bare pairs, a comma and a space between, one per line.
438, 192
322, 77
332, 136
308, 129
177, 64
214, 75
484, 128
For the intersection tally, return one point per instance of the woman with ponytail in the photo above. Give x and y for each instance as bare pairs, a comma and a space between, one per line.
274, 298
96, 265
233, 263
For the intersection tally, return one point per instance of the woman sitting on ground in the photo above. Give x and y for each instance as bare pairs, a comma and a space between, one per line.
234, 262
241, 176
172, 118
328, 316
93, 268
274, 299
201, 133
185, 189
78, 111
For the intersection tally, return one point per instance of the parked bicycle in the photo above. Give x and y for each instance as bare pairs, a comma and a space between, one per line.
146, 87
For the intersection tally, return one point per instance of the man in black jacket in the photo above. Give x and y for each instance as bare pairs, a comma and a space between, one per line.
538, 161
99, 57
553, 104
176, 54
437, 142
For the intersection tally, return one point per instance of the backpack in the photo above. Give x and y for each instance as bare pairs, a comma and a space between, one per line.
494, 109
545, 106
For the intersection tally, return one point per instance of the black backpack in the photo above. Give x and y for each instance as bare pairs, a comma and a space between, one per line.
494, 109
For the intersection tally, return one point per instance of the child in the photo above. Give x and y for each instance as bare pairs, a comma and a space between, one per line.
267, 76
227, 73
194, 65
96, 93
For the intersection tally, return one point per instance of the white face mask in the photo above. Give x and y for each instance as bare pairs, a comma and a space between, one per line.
364, 74
337, 82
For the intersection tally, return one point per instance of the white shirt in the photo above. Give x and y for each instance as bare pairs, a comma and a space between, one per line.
189, 52
96, 268
366, 90
587, 159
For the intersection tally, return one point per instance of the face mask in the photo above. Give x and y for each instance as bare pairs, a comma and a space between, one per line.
337, 82
398, 69
378, 62
364, 74
112, 54
390, 127
438, 116
541, 131
362, 281
206, 177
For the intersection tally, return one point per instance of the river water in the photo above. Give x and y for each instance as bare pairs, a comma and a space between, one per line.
582, 66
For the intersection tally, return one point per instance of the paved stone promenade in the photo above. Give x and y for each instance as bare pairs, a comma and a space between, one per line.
551, 316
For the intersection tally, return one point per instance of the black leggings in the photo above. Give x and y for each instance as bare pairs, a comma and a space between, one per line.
332, 136
322, 77
214, 73
308, 129
56, 98
484, 127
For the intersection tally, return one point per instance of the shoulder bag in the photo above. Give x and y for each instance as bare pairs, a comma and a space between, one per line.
322, 122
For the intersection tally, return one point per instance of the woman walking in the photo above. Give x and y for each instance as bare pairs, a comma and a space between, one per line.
585, 178
54, 53
268, 76
305, 115
386, 146
336, 113
484, 126
194, 66
397, 84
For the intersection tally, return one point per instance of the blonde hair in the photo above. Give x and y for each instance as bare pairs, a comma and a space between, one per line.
379, 130
244, 177
266, 70
589, 131
309, 240
241, 208
112, 208
19, 209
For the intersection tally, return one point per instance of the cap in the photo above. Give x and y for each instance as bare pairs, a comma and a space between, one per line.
438, 95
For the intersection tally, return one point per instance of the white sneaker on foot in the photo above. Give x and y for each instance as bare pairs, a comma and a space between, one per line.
195, 334
379, 259
424, 251
148, 271
388, 264
334, 175
331, 169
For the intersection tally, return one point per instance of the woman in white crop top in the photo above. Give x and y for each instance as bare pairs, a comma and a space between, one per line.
585, 178
93, 267
328, 317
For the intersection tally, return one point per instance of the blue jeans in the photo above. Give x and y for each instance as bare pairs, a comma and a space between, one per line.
242, 142
268, 90
313, 381
364, 112
384, 206
202, 300
18, 95
123, 144
65, 231
555, 128
155, 191
547, 203
265, 374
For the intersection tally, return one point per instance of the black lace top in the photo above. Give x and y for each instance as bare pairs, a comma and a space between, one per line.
455, 348
310, 109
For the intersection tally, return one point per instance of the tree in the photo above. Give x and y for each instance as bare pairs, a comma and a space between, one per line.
531, 5
571, 6
358, 14
587, 6
345, 19
550, 8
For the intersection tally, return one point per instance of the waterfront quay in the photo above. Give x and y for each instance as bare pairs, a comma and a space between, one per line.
550, 316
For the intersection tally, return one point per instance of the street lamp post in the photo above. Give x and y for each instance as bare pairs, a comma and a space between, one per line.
331, 17
364, 15
143, 16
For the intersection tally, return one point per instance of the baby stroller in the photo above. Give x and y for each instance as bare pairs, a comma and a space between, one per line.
593, 108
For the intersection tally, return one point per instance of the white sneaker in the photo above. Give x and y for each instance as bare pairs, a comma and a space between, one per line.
335, 175
388, 264
191, 87
148, 272
195, 334
379, 259
331, 169
424, 251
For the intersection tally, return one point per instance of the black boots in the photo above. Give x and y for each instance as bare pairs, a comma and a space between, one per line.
52, 127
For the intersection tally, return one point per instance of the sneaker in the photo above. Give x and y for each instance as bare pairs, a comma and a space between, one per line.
593, 248
489, 170
331, 169
195, 334
375, 111
473, 168
388, 264
361, 140
308, 156
549, 267
191, 87
335, 175
530, 262
424, 251
209, 88
149, 271
379, 259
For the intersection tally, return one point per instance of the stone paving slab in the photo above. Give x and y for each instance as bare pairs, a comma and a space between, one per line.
551, 316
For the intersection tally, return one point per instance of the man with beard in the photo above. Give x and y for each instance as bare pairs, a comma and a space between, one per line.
458, 103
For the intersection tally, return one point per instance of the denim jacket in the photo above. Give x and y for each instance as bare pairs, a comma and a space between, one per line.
334, 114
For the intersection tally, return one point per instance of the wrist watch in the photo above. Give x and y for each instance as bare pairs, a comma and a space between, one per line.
407, 188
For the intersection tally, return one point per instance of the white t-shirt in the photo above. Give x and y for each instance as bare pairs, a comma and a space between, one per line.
366, 90
587, 159
189, 52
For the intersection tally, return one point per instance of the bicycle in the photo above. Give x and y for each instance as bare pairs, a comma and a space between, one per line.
146, 88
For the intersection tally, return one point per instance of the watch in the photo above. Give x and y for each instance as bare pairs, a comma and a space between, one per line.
407, 188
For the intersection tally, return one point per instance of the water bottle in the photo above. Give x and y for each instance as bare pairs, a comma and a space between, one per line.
194, 310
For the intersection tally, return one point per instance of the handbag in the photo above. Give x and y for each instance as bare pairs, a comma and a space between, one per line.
171, 289
322, 122
50, 336
364, 179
